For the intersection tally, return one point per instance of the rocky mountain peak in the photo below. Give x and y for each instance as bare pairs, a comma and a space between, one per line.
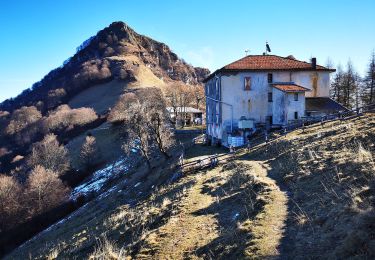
115, 53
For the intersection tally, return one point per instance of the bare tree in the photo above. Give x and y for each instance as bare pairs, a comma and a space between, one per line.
345, 86
64, 117
146, 122
45, 190
124, 103
336, 91
199, 96
350, 86
157, 121
369, 82
50, 154
21, 118
89, 151
10, 191
172, 94
135, 123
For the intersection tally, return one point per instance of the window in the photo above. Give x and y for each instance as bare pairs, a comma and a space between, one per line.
247, 83
270, 120
296, 115
295, 96
270, 97
270, 78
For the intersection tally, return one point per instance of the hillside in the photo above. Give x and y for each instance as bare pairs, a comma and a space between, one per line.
75, 99
68, 132
115, 54
309, 194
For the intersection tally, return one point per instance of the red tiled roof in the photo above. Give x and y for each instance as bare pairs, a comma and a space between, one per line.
269, 63
290, 87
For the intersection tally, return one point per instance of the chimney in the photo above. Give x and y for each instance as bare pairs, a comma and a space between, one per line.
313, 63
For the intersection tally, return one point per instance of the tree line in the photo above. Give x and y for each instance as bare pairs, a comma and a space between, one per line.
350, 89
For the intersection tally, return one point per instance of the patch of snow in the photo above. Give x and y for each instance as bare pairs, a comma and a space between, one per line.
236, 216
139, 183
100, 177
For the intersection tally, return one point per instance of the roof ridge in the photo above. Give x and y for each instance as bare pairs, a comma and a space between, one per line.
269, 62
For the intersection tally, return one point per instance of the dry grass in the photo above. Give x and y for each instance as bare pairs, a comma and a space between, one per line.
108, 94
107, 250
328, 172
107, 141
211, 214
325, 208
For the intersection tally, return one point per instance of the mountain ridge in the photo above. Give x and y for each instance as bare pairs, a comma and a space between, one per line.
116, 52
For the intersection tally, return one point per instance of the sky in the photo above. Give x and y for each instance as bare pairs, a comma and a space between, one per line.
38, 36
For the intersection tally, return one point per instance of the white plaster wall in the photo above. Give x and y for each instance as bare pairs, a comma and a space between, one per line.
305, 79
278, 106
233, 93
284, 106
295, 106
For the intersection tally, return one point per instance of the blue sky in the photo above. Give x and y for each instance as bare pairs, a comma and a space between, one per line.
37, 36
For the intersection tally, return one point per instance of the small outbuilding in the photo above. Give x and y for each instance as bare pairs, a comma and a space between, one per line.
186, 115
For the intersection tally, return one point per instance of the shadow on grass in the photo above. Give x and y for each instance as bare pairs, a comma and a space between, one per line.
237, 201
203, 150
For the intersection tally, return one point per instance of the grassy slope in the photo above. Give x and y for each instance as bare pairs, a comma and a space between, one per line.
328, 172
325, 207
201, 215
108, 143
100, 97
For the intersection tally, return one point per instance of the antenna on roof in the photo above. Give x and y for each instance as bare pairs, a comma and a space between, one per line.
246, 51
268, 49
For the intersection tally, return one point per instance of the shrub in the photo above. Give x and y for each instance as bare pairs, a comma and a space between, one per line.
55, 97
65, 117
10, 191
124, 104
50, 154
45, 190
89, 151
21, 118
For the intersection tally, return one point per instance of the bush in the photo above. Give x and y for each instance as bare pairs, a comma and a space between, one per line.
119, 111
89, 151
50, 154
66, 118
10, 191
21, 118
55, 97
45, 190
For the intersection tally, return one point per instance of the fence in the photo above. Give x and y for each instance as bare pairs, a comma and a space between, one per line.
213, 160
205, 163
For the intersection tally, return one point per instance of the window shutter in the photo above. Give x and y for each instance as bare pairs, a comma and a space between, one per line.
270, 97
270, 77
247, 83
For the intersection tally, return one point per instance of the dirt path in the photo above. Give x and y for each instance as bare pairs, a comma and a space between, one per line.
202, 223
267, 227
187, 231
